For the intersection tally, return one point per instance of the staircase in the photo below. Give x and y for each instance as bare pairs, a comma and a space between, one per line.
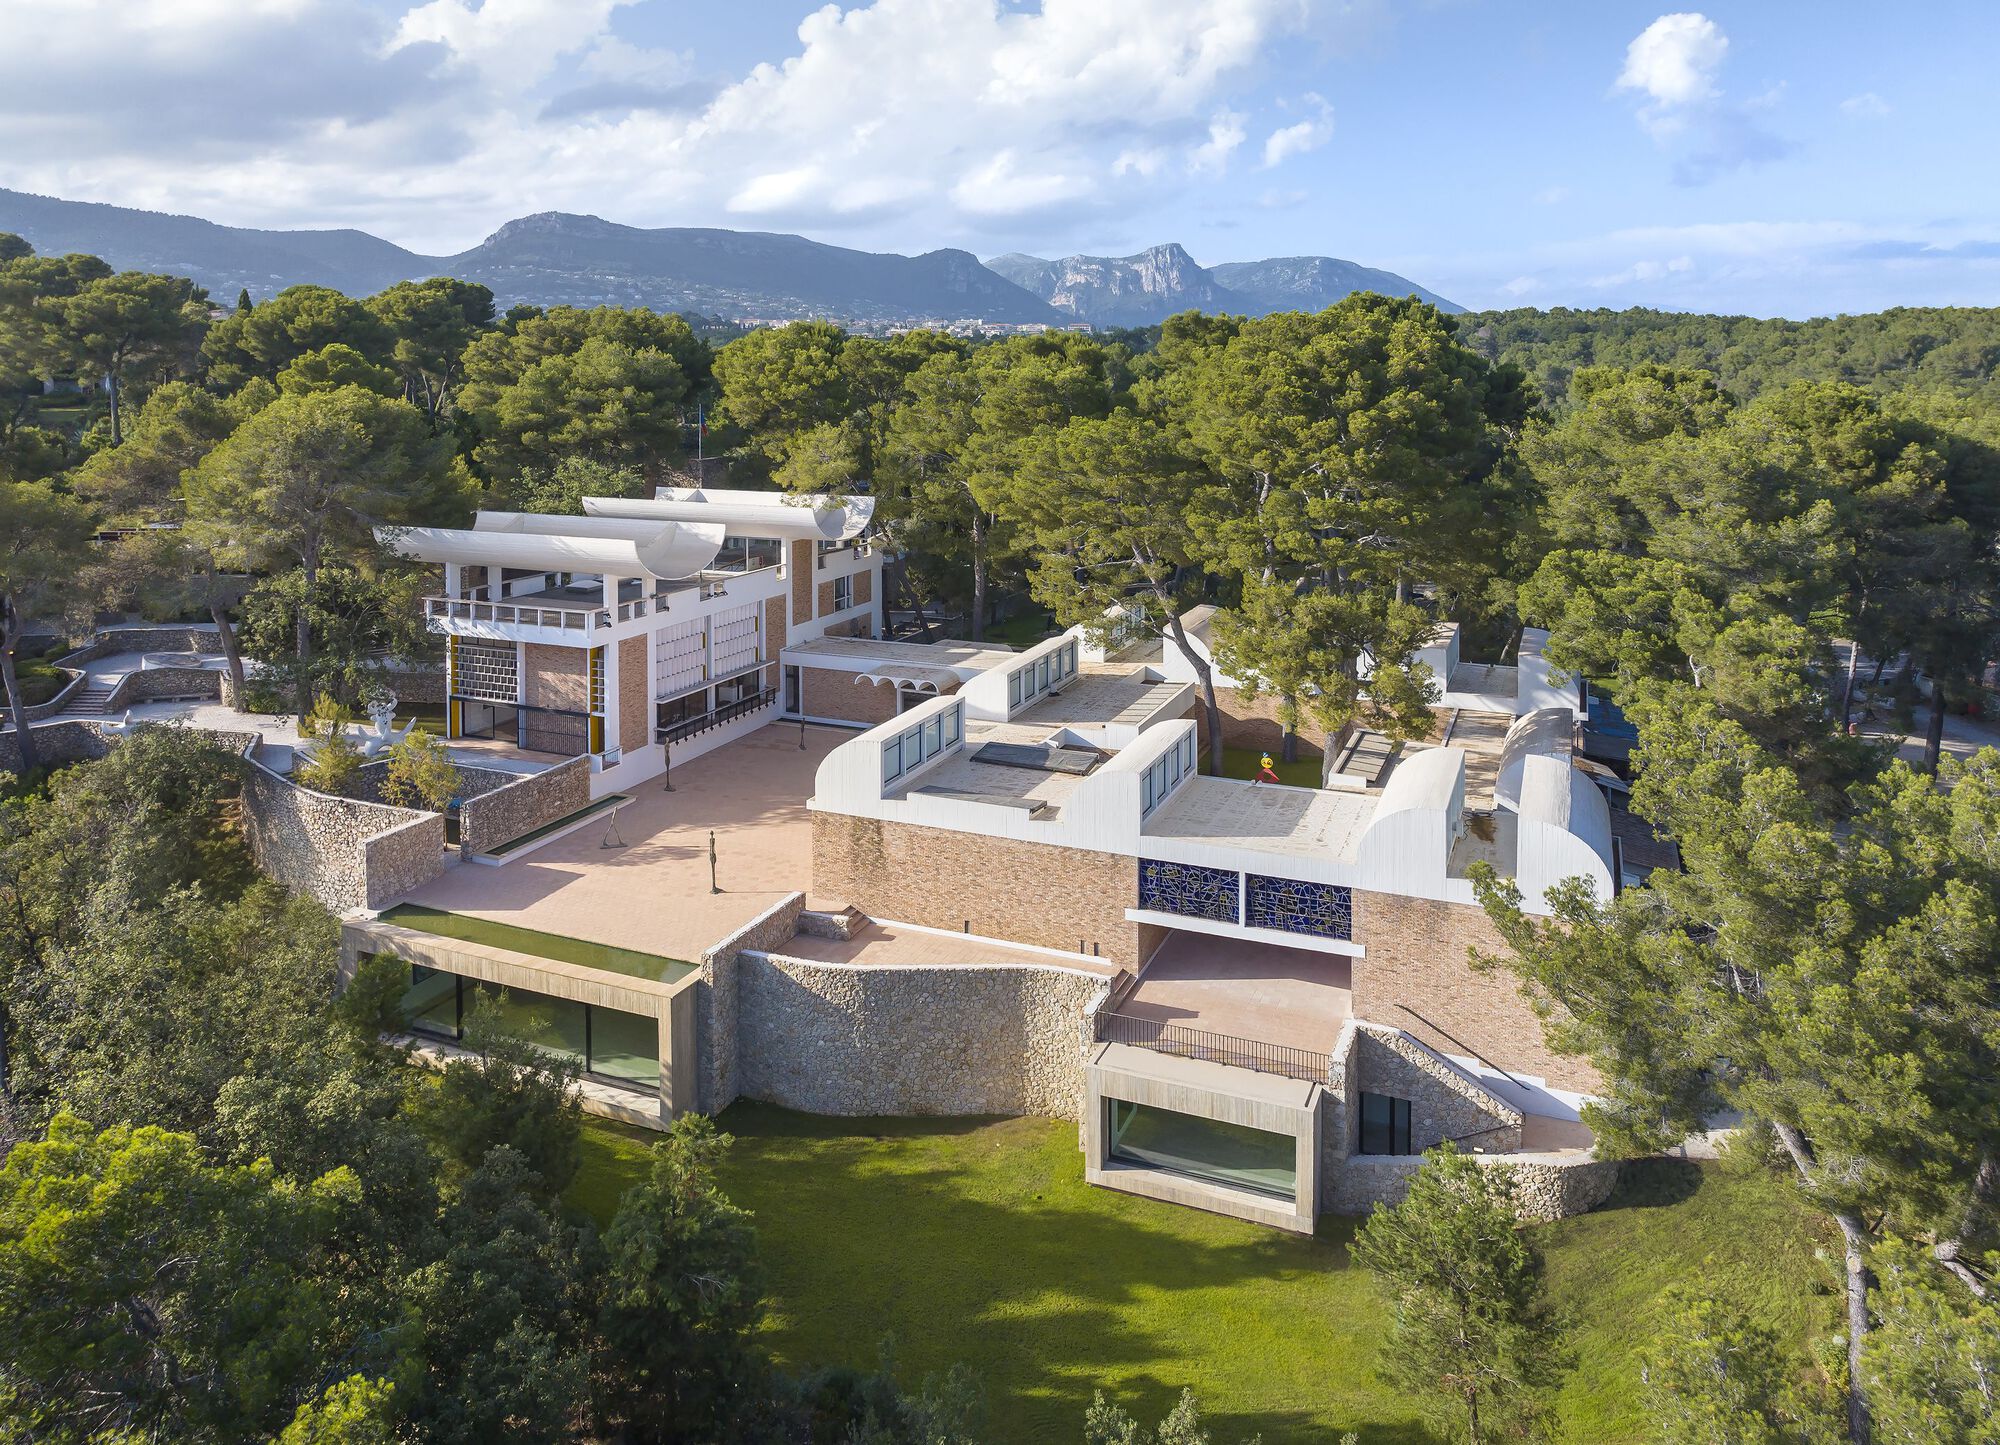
91, 700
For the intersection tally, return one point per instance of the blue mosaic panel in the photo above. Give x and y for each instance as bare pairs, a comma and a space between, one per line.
1324, 910
1188, 889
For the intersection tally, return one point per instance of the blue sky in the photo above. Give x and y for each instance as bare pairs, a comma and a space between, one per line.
1775, 158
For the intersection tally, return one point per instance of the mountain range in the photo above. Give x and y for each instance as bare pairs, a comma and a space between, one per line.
554, 258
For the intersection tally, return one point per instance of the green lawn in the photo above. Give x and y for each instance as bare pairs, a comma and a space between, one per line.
977, 1240
541, 945
1242, 763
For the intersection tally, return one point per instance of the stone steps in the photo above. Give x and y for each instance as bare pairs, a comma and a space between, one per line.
91, 701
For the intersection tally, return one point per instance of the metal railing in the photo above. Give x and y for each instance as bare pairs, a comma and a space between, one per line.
1186, 1043
715, 718
553, 616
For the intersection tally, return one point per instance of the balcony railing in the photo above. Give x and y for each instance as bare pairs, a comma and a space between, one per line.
552, 616
1186, 1043
700, 723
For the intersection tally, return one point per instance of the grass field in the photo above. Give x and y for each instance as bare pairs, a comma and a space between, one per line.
977, 1240
1242, 763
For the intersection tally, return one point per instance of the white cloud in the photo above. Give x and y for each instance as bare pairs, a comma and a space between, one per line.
1868, 105
1225, 134
1675, 64
1551, 195
1674, 60
1306, 135
1522, 286
303, 111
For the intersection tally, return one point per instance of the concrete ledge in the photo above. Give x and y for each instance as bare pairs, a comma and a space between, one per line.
1203, 1090
1194, 1193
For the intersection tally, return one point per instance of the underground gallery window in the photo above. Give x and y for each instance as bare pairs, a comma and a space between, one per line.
1206, 1149
1385, 1124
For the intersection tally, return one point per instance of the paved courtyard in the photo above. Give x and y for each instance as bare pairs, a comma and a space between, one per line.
1295, 997
652, 893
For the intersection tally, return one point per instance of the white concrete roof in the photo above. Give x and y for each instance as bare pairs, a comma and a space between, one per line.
1311, 822
673, 549
747, 514
910, 675
1546, 732
867, 652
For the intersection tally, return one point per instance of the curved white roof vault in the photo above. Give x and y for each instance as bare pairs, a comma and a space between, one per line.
668, 550
816, 517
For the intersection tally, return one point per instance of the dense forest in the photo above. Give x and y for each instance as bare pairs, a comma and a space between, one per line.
1744, 532
1950, 349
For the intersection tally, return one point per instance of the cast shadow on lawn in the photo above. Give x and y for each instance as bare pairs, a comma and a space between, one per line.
1050, 1289
1653, 1184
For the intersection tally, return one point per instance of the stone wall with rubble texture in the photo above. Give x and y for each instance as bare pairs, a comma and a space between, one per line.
951, 1039
1444, 1102
716, 1003
345, 853
1546, 1186
55, 744
488, 820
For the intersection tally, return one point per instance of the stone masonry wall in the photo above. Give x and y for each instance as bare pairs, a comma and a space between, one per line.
487, 821
900, 1039
56, 743
716, 1003
164, 682
1416, 977
1444, 1103
833, 693
318, 844
42, 711
1029, 892
1547, 1187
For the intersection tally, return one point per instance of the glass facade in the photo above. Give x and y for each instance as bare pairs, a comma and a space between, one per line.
607, 1044
1209, 1149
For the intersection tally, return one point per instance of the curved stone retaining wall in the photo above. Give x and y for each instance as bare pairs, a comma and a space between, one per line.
1546, 1186
717, 1002
346, 853
906, 1039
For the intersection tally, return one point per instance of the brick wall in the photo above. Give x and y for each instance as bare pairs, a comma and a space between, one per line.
833, 693
635, 703
1027, 892
557, 677
1416, 961
774, 637
864, 586
825, 599
799, 562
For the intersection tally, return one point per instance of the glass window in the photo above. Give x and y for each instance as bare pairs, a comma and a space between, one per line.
933, 736
1042, 675
843, 593
625, 1047
951, 727
553, 1025
1146, 794
1243, 1158
892, 760
913, 747
430, 1005
1385, 1124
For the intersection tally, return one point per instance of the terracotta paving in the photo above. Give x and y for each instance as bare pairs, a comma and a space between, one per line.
1290, 996
652, 894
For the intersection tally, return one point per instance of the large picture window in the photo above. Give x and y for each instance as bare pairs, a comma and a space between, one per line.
1221, 1153
607, 1044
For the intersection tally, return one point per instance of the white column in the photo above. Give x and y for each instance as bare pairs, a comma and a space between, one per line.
451, 579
